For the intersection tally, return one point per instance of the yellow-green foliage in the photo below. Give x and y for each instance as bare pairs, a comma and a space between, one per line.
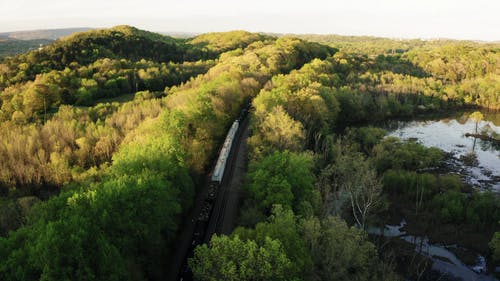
220, 42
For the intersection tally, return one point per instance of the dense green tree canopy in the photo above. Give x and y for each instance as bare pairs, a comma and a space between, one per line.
341, 253
105, 134
283, 178
230, 258
119, 175
283, 226
495, 246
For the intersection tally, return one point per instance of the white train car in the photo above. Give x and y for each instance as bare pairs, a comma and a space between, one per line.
224, 153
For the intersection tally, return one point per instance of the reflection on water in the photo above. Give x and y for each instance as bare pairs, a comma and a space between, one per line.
443, 259
478, 161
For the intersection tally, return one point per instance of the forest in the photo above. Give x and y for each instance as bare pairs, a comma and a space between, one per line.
106, 137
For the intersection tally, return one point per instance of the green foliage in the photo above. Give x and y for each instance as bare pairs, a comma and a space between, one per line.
354, 106
319, 250
429, 192
10, 47
365, 45
282, 226
304, 99
495, 246
141, 195
366, 137
230, 258
412, 185
455, 62
219, 42
74, 139
339, 252
392, 153
451, 205
121, 218
283, 178
127, 165
419, 75
353, 175
93, 65
99, 249
11, 216
85, 84
278, 131
442, 195
86, 47
450, 182
483, 210
154, 185
210, 102
476, 116
156, 152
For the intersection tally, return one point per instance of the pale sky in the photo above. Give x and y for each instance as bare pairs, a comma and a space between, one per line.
458, 19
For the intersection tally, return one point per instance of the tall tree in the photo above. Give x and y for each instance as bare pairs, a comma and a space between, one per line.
233, 259
476, 117
358, 179
340, 253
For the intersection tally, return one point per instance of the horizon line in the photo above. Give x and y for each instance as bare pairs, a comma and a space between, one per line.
261, 32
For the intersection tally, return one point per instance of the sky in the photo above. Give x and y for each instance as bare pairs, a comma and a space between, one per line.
457, 19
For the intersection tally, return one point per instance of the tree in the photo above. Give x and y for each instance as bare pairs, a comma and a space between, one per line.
282, 225
495, 246
233, 259
40, 96
476, 117
483, 210
451, 205
283, 178
277, 131
340, 253
366, 137
393, 153
356, 177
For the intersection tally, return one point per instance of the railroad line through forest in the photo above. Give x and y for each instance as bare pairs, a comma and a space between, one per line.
216, 204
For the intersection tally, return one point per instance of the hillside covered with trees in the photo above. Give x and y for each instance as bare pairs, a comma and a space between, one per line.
106, 137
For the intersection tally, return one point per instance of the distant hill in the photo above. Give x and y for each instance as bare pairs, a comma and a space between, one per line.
51, 34
117, 42
10, 47
83, 48
18, 42
180, 34
380, 45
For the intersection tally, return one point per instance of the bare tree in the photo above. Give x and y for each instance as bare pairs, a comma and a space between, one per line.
359, 180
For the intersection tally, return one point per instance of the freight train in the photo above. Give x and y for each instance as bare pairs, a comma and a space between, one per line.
203, 231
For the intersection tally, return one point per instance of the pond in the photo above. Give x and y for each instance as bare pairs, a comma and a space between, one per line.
444, 260
476, 161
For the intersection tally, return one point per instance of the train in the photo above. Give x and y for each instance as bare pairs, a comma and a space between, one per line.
203, 231
220, 165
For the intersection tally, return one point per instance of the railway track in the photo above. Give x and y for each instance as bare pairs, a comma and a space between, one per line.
219, 217
209, 218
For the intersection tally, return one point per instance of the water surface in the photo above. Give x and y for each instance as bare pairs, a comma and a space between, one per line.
444, 260
448, 134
